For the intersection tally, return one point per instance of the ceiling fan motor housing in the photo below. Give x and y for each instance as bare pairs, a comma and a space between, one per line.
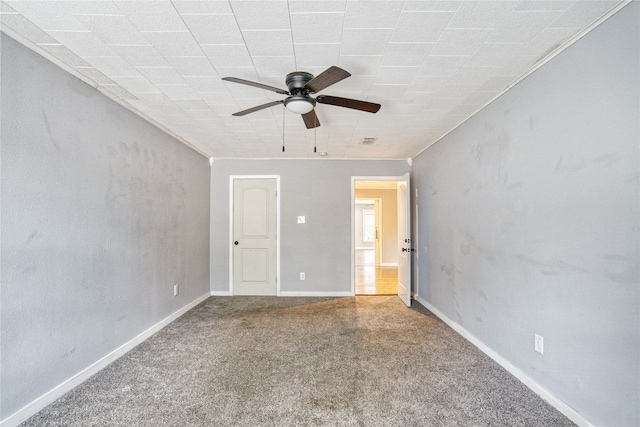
296, 82
299, 101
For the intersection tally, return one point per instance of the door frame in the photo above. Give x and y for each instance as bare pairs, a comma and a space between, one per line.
405, 270
353, 215
232, 179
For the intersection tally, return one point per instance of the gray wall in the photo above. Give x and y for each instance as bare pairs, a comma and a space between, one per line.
101, 213
318, 189
529, 223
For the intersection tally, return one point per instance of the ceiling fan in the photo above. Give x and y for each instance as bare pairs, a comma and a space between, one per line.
298, 100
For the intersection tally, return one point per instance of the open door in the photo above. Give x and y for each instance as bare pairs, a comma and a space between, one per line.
404, 240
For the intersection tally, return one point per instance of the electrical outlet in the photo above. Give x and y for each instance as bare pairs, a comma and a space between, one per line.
302, 277
176, 290
301, 220
539, 344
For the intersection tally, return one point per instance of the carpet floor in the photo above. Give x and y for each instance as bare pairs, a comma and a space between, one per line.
267, 361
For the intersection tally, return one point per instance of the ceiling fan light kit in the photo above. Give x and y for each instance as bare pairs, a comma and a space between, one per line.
299, 100
299, 104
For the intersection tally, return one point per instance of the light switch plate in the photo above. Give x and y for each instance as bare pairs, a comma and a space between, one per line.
539, 344
301, 220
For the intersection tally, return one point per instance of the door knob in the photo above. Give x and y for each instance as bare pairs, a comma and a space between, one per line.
235, 243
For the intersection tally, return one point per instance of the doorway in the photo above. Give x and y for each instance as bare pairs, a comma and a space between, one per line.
375, 261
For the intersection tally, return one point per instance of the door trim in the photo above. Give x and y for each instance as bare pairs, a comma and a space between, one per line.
353, 215
232, 178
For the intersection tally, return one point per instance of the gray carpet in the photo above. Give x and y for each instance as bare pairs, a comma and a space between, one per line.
266, 361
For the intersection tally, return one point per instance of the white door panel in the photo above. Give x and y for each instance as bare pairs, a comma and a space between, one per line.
254, 237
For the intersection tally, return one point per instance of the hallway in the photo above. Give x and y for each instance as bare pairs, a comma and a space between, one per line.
372, 279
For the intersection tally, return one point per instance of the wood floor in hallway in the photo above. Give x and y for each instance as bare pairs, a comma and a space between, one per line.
372, 279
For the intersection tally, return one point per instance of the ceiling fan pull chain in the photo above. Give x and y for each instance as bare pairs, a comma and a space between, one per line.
283, 112
315, 133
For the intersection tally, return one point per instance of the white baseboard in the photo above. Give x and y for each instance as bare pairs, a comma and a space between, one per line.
293, 294
38, 404
315, 294
545, 394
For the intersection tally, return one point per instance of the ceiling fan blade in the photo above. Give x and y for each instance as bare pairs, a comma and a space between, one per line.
325, 79
369, 107
257, 108
254, 84
311, 119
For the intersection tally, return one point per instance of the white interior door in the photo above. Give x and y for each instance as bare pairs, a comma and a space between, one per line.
378, 245
404, 240
254, 237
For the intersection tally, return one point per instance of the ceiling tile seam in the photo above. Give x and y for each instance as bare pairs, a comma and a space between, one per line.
369, 28
63, 31
468, 57
343, 12
117, 76
266, 30
449, 21
130, 45
314, 44
293, 41
272, 56
356, 55
95, 14
200, 46
207, 14
235, 18
389, 42
335, 12
142, 32
165, 31
222, 44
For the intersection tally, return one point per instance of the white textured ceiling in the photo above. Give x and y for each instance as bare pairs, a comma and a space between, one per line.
430, 63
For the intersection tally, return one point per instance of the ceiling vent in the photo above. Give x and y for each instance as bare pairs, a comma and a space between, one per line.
368, 141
